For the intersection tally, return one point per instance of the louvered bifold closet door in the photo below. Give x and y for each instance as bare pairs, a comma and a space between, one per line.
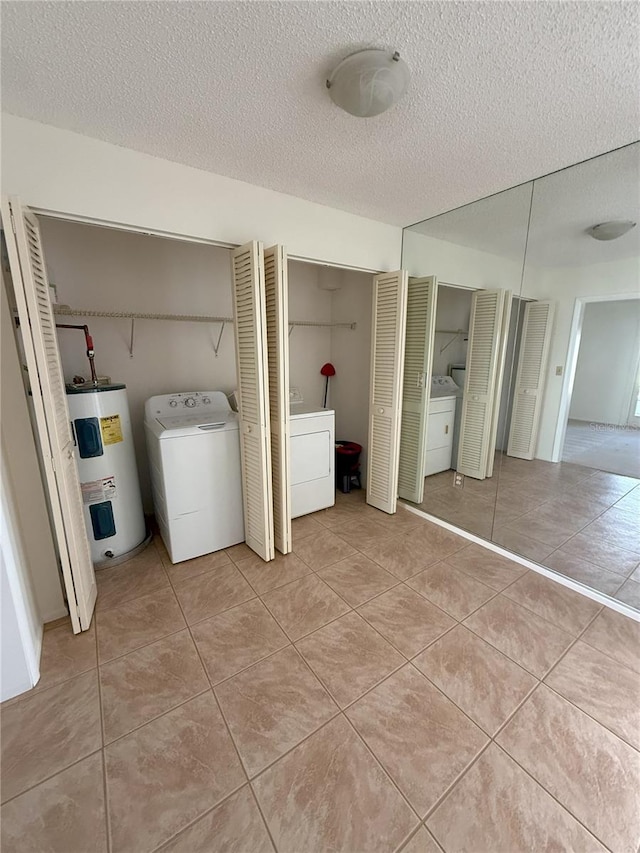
249, 306
487, 309
277, 302
532, 366
385, 396
500, 377
418, 360
38, 328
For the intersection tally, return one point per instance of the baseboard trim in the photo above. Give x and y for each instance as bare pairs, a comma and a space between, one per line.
593, 594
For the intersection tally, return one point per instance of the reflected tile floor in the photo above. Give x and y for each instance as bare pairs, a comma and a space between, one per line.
407, 691
579, 521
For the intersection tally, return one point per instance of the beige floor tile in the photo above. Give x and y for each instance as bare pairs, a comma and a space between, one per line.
179, 572
331, 794
349, 657
401, 555
272, 706
421, 738
620, 527
617, 636
322, 549
603, 552
486, 566
629, 592
497, 807
590, 771
566, 608
421, 842
483, 682
65, 813
206, 595
547, 527
302, 606
362, 533
48, 731
406, 619
454, 592
303, 526
148, 682
237, 638
65, 655
520, 634
357, 579
239, 552
526, 546
166, 774
137, 623
581, 570
266, 576
607, 691
235, 826
137, 577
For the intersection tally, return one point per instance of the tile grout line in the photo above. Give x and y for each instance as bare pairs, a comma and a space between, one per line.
553, 797
222, 716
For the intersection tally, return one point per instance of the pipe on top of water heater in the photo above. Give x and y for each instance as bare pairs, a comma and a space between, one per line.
90, 350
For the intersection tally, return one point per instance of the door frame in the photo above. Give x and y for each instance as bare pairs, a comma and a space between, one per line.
571, 363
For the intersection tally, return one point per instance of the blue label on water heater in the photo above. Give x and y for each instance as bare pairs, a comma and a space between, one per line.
88, 437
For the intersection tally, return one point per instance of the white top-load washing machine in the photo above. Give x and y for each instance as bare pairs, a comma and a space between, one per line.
194, 454
313, 450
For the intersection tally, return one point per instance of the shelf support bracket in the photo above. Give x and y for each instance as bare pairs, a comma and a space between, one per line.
216, 346
133, 328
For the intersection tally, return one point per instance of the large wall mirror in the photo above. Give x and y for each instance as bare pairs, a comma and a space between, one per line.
522, 371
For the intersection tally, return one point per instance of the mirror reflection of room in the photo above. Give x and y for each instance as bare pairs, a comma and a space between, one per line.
544, 413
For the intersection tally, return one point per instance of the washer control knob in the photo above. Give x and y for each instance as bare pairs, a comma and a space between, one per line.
190, 403
206, 400
173, 403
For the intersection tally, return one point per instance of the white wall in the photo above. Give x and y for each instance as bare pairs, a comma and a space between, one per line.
564, 286
109, 270
22, 472
351, 356
453, 312
607, 362
20, 623
64, 172
449, 262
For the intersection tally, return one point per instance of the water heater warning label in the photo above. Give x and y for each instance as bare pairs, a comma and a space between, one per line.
96, 491
111, 429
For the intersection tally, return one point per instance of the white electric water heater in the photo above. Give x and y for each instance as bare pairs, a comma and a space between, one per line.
108, 474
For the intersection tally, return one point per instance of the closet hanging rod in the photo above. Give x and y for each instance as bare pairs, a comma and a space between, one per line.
451, 332
66, 311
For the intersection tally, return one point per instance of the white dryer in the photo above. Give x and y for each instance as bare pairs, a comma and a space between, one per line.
194, 455
312, 459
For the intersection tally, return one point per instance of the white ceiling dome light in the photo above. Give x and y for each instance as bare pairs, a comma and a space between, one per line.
368, 82
611, 230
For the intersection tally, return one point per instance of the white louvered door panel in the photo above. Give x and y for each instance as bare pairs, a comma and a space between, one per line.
418, 360
247, 267
487, 308
532, 366
277, 304
385, 397
502, 355
53, 424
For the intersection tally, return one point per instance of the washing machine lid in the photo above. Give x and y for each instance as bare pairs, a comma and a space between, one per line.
305, 410
196, 423
444, 386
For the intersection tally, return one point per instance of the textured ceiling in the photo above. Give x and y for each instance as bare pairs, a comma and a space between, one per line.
500, 93
563, 206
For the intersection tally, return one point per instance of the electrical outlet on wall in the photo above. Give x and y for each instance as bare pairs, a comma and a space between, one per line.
458, 480
559, 370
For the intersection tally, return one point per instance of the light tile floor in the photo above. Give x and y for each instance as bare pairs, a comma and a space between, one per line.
386, 687
578, 521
